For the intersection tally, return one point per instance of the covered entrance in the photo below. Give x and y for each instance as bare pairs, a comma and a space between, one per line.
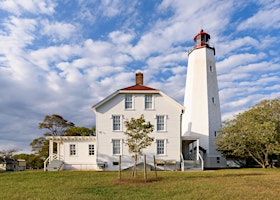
191, 158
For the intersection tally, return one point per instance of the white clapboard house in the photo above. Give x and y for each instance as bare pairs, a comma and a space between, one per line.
184, 135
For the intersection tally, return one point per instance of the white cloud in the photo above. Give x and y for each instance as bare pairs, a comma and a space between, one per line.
33, 6
171, 59
227, 45
57, 31
18, 33
234, 61
267, 18
112, 8
187, 20
44, 57
119, 37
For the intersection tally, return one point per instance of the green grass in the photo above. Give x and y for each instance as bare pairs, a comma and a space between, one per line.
214, 184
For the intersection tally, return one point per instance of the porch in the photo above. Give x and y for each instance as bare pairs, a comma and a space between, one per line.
191, 158
71, 153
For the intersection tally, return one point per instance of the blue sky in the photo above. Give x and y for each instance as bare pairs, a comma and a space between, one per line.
62, 57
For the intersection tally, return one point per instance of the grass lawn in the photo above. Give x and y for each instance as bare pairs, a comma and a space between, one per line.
214, 184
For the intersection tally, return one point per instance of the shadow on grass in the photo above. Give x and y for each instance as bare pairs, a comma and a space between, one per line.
138, 180
209, 176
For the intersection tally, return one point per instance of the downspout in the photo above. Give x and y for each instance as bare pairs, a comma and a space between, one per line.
181, 152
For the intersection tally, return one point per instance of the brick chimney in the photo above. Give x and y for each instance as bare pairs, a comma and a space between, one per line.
139, 78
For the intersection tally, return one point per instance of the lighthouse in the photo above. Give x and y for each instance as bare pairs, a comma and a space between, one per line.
202, 117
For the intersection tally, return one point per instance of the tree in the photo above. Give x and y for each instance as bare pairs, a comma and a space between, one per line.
8, 153
55, 124
32, 161
253, 134
40, 146
79, 131
137, 132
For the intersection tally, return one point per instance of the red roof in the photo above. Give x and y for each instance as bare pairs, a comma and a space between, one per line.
138, 87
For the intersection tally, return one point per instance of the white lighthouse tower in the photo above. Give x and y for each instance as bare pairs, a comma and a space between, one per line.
202, 117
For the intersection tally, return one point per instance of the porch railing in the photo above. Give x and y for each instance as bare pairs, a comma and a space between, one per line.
50, 158
45, 163
191, 156
182, 162
202, 161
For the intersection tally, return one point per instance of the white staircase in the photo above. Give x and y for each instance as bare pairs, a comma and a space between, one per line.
55, 165
192, 164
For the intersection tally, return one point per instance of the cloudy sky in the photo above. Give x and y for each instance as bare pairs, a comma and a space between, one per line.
62, 57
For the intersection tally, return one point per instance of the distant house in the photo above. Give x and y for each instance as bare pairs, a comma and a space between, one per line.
21, 164
10, 164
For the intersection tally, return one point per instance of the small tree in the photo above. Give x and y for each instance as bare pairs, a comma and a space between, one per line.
253, 134
137, 132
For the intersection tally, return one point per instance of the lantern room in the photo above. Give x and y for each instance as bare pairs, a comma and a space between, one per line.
201, 39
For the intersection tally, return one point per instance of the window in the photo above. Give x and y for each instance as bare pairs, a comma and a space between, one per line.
218, 159
148, 101
116, 122
213, 99
215, 133
160, 147
116, 147
90, 149
160, 123
128, 101
73, 150
211, 68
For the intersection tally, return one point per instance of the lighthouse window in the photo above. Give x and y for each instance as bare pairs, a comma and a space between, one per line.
211, 68
198, 40
203, 38
213, 99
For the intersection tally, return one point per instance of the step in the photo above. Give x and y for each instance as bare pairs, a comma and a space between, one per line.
192, 165
55, 165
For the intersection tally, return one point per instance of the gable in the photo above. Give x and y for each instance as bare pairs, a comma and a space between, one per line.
116, 101
115, 97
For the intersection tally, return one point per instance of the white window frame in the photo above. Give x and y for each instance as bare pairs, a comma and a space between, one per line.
164, 123
120, 147
114, 124
164, 147
91, 151
71, 150
130, 101
150, 102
